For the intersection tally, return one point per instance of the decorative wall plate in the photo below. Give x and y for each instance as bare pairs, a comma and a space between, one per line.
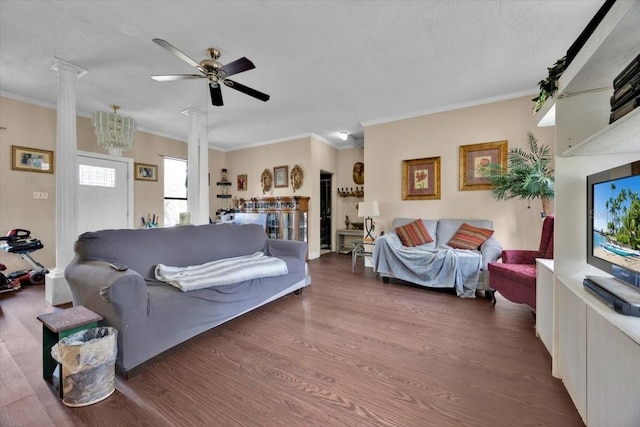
266, 179
358, 173
297, 177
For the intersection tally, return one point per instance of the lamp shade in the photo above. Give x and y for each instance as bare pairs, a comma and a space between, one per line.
368, 209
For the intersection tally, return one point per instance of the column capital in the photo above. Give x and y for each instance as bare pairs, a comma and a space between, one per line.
60, 66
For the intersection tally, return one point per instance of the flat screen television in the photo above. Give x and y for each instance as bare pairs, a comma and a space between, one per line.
613, 222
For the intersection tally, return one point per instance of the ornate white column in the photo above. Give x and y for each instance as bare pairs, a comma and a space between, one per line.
56, 288
204, 174
193, 177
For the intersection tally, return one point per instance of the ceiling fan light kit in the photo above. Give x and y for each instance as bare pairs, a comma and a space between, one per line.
213, 71
115, 133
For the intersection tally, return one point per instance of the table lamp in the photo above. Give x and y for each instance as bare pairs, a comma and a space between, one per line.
368, 210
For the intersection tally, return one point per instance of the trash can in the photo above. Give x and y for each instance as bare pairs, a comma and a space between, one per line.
88, 361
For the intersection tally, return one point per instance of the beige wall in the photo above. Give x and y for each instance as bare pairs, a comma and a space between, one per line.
34, 126
311, 155
347, 206
386, 145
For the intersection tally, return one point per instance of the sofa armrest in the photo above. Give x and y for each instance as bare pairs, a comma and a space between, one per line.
118, 296
491, 251
96, 283
519, 256
286, 248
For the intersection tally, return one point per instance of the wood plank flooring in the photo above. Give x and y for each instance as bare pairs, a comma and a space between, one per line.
350, 351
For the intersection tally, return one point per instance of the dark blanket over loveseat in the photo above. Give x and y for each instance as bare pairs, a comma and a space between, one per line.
152, 316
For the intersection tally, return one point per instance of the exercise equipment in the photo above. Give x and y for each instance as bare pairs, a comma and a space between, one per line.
19, 241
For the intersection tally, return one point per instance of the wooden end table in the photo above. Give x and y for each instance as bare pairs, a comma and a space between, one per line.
56, 326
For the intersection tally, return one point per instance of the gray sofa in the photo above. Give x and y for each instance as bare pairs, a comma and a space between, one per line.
393, 260
152, 316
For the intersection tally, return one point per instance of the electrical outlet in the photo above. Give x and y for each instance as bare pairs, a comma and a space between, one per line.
40, 195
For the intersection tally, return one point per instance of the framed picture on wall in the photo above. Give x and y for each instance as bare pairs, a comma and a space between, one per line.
145, 172
242, 182
421, 179
31, 159
476, 156
280, 176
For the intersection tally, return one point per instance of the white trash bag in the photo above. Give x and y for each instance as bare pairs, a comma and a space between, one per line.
88, 365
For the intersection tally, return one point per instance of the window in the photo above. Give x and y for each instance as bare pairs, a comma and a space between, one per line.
95, 176
175, 190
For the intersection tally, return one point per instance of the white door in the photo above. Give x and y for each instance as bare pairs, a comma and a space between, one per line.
104, 193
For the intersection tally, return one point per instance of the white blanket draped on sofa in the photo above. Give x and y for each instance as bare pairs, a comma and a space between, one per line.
221, 272
440, 267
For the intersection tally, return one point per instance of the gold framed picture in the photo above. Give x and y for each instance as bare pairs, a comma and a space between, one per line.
242, 182
280, 176
145, 172
421, 179
31, 159
476, 156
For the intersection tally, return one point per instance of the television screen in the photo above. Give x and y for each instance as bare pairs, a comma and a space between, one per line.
613, 239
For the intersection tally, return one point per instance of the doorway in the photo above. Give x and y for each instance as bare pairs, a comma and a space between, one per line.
105, 192
325, 212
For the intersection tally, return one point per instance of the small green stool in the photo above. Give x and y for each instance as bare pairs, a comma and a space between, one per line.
56, 326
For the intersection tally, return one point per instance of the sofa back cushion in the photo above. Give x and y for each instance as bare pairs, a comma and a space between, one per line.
143, 249
448, 227
430, 224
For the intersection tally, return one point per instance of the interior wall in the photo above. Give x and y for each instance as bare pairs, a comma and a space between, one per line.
348, 206
35, 127
517, 223
29, 125
253, 161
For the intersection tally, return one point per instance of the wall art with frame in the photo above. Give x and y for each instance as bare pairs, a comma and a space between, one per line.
280, 176
145, 172
31, 159
242, 182
421, 179
476, 156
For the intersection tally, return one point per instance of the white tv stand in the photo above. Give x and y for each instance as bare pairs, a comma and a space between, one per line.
595, 351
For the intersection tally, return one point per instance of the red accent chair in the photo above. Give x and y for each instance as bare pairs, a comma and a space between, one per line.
515, 276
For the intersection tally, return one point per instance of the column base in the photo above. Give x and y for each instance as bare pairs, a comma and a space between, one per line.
56, 288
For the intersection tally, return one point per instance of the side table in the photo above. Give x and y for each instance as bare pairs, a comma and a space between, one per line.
360, 249
58, 325
341, 247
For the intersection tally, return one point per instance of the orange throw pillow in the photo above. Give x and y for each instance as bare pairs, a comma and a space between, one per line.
469, 237
413, 234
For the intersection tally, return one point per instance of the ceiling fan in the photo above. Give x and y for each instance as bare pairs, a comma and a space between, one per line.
213, 71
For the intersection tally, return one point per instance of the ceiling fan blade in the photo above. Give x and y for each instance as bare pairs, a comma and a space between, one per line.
216, 94
168, 46
237, 66
247, 90
174, 77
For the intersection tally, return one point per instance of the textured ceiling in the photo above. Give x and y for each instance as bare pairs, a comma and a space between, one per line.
328, 65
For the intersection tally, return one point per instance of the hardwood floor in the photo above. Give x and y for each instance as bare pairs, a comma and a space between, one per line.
349, 351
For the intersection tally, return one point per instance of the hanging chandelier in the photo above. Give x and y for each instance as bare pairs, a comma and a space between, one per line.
115, 132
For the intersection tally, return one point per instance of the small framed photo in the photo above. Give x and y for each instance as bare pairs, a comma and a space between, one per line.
242, 182
421, 179
31, 159
145, 172
476, 156
281, 176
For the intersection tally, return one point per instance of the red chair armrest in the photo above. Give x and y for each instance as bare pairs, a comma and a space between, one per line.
516, 256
